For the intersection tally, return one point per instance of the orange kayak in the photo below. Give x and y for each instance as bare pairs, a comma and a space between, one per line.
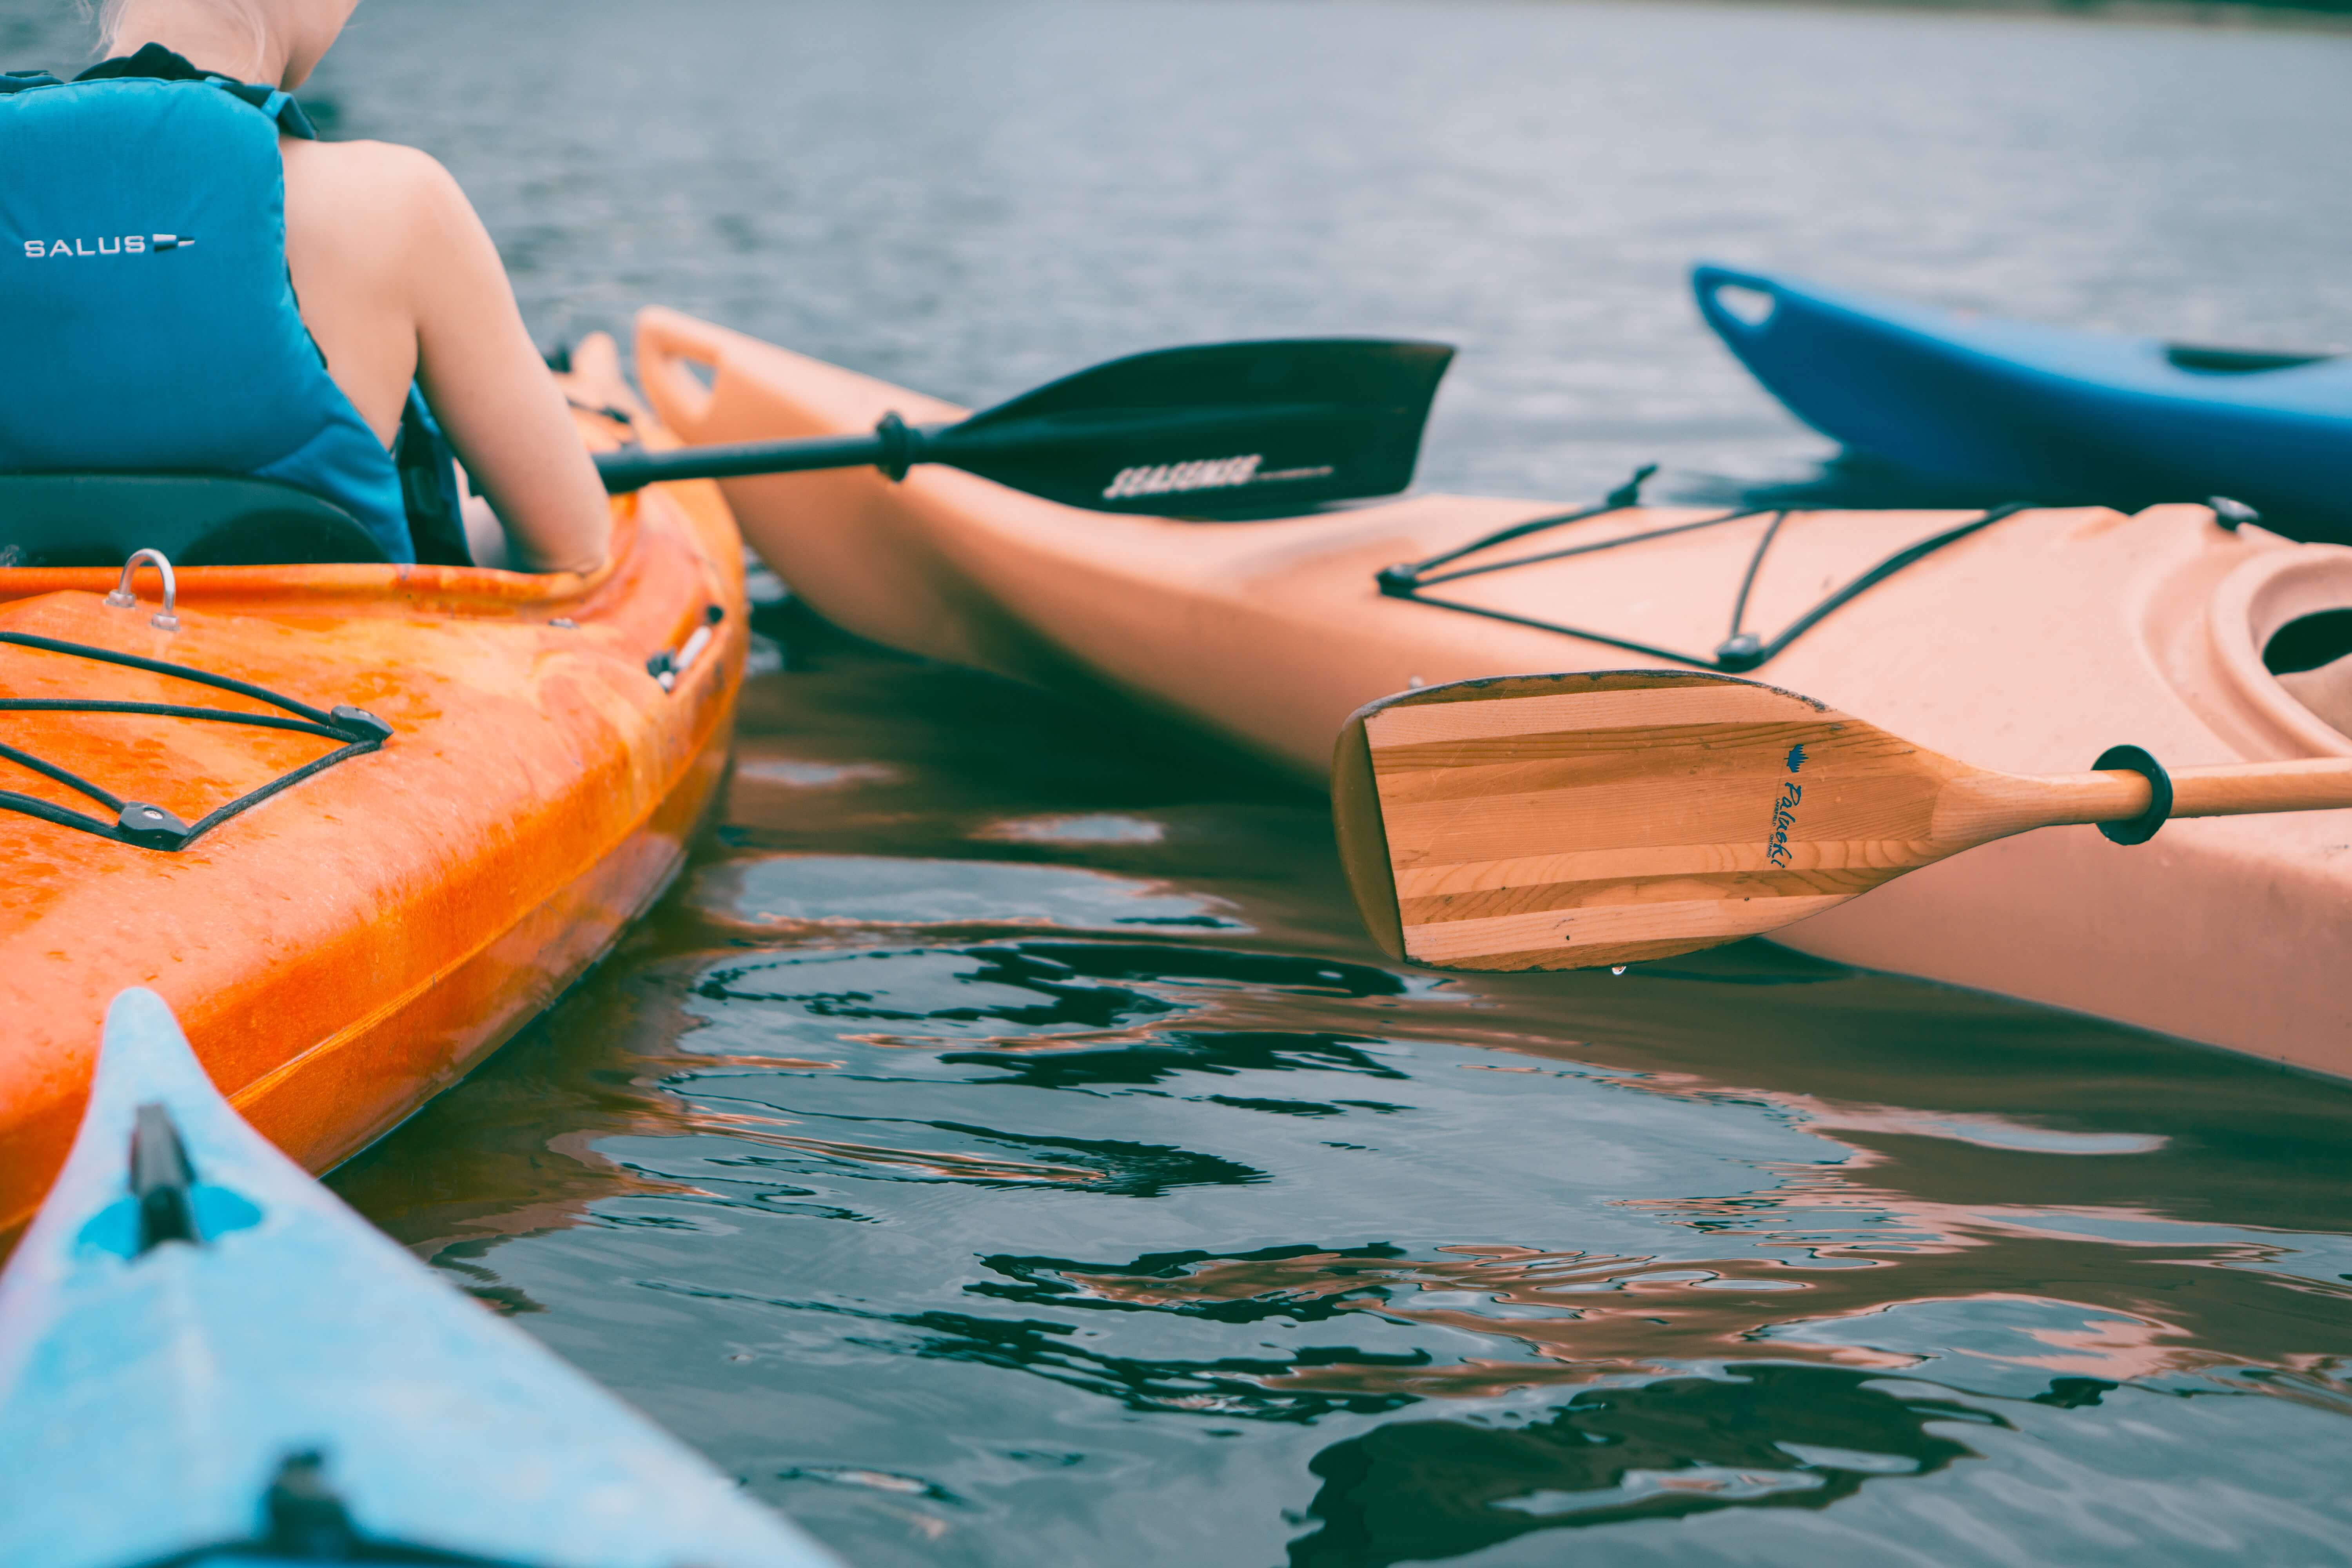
2031, 643
460, 785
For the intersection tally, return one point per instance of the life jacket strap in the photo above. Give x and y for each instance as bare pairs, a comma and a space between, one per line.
428, 487
277, 104
272, 101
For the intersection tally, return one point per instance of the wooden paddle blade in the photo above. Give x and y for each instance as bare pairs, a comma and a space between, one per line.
1564, 821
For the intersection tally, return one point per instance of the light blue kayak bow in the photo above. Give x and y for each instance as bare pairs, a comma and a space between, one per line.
206, 1358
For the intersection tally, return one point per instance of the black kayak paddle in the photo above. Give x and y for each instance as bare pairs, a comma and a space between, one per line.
1220, 429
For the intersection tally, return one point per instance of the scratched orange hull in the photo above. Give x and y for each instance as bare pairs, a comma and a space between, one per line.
352, 945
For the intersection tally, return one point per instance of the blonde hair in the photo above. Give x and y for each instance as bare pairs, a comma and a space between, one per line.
108, 15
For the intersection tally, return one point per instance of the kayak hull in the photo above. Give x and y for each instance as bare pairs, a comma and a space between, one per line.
347, 947
272, 1358
2048, 413
2031, 647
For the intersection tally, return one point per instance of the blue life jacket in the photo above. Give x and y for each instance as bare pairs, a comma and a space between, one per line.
148, 320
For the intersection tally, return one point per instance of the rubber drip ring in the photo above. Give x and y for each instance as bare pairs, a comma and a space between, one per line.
2141, 828
900, 446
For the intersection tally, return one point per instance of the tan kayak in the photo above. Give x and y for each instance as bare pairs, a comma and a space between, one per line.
2030, 644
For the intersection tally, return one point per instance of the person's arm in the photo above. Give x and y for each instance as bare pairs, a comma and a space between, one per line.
491, 391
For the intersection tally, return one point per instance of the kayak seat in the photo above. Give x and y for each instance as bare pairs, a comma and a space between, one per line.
197, 520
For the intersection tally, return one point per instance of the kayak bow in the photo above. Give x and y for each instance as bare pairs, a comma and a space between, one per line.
205, 1358
2047, 413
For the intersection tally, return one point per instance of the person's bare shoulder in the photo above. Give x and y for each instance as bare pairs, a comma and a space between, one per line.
386, 161
367, 225
378, 191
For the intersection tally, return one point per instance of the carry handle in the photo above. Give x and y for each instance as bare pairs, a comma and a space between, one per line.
667, 343
1708, 280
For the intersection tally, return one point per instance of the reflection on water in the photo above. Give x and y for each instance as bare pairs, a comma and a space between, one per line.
975, 1221
1004, 1148
860, 890
1781, 1437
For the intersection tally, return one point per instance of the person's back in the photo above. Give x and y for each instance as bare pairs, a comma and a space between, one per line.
395, 281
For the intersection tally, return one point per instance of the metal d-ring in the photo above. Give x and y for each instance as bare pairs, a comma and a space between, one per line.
123, 598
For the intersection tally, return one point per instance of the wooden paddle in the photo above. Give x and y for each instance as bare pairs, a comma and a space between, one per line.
1210, 430
1565, 821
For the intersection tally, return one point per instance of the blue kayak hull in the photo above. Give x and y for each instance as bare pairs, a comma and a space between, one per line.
257, 1364
2047, 414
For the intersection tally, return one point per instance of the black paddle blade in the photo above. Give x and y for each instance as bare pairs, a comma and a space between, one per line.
1219, 430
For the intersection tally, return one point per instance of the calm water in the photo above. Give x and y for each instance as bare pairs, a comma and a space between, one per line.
1003, 1148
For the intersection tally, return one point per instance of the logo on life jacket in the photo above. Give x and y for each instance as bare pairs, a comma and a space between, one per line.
108, 244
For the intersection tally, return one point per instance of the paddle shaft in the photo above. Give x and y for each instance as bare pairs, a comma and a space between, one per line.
894, 445
635, 467
2237, 789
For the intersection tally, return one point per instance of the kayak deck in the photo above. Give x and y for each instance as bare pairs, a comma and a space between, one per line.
2031, 647
193, 1314
350, 945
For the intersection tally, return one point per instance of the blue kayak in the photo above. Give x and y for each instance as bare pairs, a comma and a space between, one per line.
2048, 414
206, 1358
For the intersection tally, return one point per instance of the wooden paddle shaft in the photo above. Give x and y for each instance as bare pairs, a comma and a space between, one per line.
2313, 784
2236, 790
